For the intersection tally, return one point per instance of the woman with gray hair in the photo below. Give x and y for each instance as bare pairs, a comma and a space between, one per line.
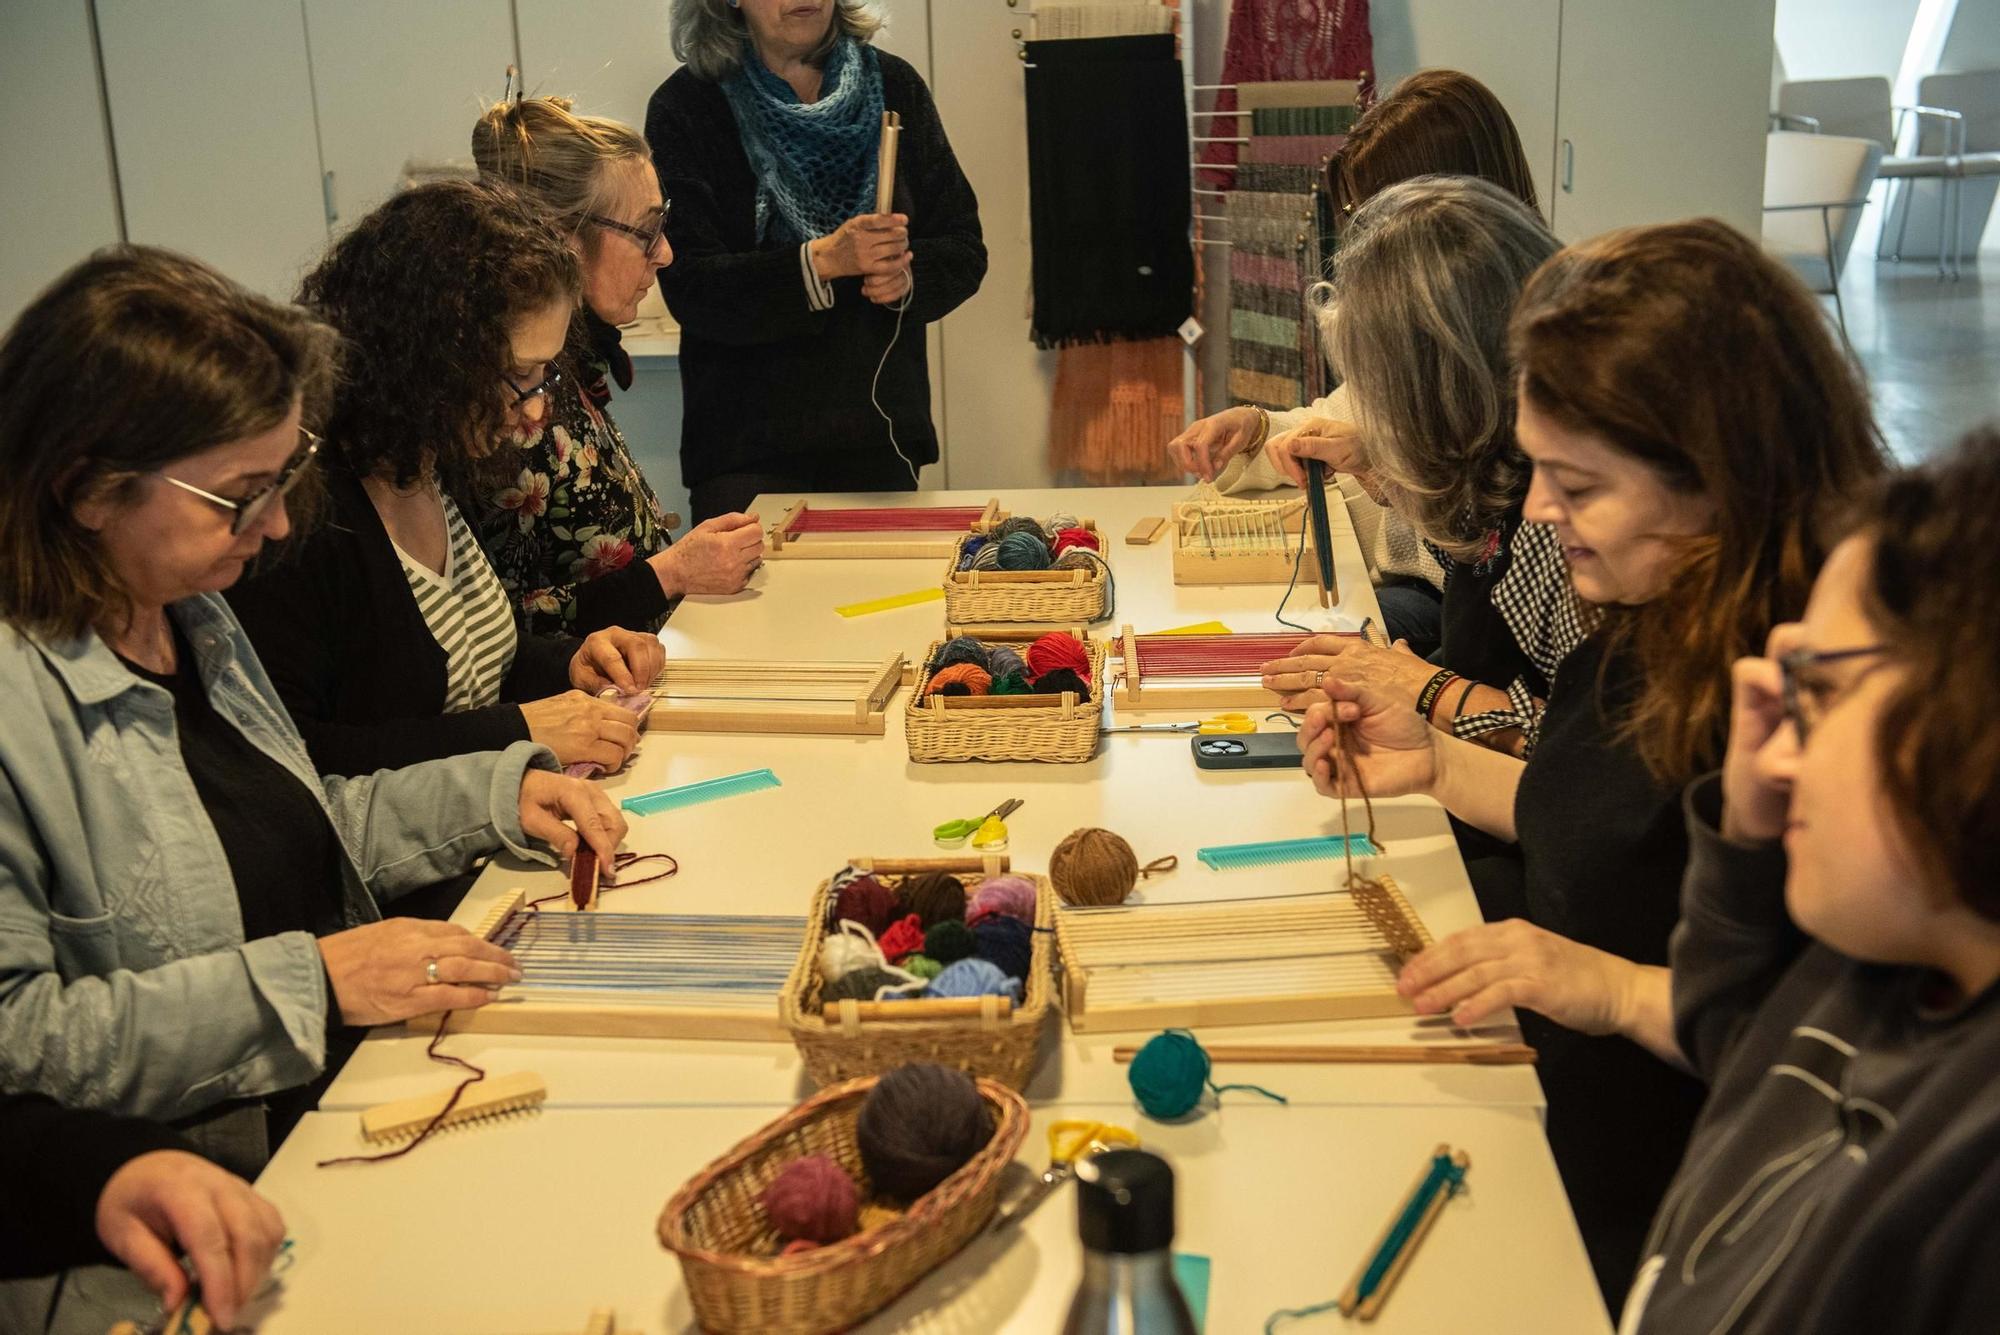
802, 306
1415, 320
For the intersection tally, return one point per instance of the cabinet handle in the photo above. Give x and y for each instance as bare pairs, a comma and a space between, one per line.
326, 197
1569, 166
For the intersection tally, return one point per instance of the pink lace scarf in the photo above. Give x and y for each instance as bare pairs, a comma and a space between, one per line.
1273, 41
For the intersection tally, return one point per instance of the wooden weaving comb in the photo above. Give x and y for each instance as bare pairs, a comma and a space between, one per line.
495, 1096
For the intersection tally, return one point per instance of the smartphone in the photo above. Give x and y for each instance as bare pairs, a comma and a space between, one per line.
1247, 750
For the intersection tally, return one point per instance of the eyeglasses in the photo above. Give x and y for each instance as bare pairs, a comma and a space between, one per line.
250, 509
542, 386
647, 237
1808, 699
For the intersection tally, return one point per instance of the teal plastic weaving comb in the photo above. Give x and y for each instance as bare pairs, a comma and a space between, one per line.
1236, 857
692, 794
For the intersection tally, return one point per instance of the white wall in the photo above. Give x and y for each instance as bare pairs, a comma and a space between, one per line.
1840, 39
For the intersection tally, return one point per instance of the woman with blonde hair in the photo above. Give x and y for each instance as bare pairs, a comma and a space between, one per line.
577, 536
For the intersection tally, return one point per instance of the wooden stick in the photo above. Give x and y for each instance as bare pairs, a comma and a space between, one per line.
1350, 1297
931, 1008
992, 864
1146, 532
1361, 1054
885, 171
1372, 1306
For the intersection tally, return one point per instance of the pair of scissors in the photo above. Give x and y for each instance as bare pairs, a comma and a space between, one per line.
1220, 723
1068, 1142
988, 831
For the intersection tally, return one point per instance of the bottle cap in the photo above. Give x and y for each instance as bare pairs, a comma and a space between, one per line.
1125, 1202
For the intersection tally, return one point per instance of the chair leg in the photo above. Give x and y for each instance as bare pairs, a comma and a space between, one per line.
1944, 199
1903, 191
1833, 276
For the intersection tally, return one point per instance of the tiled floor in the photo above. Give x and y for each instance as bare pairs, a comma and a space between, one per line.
1931, 348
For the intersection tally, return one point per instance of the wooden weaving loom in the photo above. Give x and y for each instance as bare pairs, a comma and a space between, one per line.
747, 695
1202, 671
636, 975
1226, 540
804, 531
1262, 961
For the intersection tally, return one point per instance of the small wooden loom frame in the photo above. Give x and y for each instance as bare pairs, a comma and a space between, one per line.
1224, 962
1201, 671
1225, 540
947, 524
667, 1013
751, 695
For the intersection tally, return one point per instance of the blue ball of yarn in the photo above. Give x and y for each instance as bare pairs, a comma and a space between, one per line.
974, 978
1006, 942
963, 649
1168, 1074
1004, 660
1023, 551
970, 550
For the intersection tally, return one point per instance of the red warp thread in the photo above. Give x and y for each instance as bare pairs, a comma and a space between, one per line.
915, 519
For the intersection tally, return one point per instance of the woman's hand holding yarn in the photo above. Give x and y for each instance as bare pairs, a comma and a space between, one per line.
1390, 749
169, 1201
1335, 444
716, 556
1395, 672
886, 289
563, 812
864, 245
1206, 446
580, 727
625, 659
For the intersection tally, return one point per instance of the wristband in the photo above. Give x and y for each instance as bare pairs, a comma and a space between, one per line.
1427, 698
1463, 696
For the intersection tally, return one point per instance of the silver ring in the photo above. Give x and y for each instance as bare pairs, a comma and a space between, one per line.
431, 969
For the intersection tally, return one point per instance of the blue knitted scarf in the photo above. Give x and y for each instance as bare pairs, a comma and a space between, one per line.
815, 162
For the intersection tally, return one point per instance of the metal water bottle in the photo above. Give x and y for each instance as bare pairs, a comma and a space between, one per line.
1125, 1213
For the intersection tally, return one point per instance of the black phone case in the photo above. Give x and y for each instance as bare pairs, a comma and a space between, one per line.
1246, 750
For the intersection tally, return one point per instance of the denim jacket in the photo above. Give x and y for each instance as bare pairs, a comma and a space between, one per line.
125, 981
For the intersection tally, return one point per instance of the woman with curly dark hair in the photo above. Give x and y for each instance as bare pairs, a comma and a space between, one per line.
385, 629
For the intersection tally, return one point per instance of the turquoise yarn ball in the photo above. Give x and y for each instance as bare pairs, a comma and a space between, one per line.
974, 978
1168, 1074
1023, 551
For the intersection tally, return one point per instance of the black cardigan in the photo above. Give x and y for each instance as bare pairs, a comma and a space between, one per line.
55, 1162
333, 620
767, 381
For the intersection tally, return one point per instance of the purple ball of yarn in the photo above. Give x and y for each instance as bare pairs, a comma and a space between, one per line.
919, 1125
1013, 896
1006, 942
1002, 659
869, 902
814, 1199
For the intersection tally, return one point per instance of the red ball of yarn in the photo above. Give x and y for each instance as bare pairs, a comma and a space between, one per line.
904, 937
1058, 649
813, 1198
869, 902
1075, 537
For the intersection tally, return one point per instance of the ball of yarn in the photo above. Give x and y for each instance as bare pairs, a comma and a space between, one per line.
1002, 659
1168, 1074
1058, 649
1093, 867
935, 897
1074, 537
923, 966
1023, 551
1006, 942
968, 551
959, 649
867, 901
986, 558
950, 940
875, 1214
1079, 558
918, 1126
960, 679
904, 937
1061, 520
842, 953
1007, 528
1014, 683
1011, 895
860, 984
974, 978
812, 1199
1059, 680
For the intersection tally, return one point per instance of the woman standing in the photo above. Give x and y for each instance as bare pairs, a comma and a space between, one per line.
577, 536
802, 308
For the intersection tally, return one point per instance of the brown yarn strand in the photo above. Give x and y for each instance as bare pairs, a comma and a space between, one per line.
1343, 765
1160, 866
478, 1074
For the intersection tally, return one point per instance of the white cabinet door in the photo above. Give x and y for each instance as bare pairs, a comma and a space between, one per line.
397, 82
608, 55
212, 116
1660, 113
59, 204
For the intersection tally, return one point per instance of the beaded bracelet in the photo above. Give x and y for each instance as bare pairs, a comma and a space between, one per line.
1427, 698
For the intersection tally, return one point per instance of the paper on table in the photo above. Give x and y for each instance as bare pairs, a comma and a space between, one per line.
1191, 1273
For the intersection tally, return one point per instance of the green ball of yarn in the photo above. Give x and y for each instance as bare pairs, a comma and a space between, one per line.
1014, 683
949, 941
1168, 1074
923, 966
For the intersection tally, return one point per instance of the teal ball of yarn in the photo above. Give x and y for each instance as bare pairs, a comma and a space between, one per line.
948, 941
974, 978
1023, 551
1168, 1074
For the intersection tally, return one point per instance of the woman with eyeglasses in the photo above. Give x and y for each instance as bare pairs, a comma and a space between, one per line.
1694, 430
386, 629
576, 534
190, 914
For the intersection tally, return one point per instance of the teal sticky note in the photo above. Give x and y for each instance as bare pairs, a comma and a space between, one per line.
1191, 1273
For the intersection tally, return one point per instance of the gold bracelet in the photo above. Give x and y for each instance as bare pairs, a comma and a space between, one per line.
1263, 429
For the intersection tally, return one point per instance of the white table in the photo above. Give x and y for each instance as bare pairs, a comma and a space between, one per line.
842, 796
524, 1226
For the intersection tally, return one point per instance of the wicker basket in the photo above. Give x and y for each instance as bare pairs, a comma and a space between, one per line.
1005, 597
976, 1034
1058, 728
715, 1223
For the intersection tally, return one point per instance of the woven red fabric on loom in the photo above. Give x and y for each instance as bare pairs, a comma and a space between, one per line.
1272, 41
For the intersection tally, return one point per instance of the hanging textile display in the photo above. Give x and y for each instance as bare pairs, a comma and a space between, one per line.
1276, 40
1116, 406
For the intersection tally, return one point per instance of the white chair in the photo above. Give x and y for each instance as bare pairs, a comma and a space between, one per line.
1975, 96
1815, 186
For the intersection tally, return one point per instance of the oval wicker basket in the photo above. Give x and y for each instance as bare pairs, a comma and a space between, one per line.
1061, 597
997, 1046
1057, 728
716, 1224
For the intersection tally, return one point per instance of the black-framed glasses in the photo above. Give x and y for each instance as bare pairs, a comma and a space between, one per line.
1807, 699
647, 238
540, 387
251, 508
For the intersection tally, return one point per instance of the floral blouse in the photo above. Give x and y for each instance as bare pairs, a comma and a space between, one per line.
571, 534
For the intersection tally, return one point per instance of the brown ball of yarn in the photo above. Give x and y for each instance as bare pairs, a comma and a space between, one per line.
935, 897
1093, 867
919, 1125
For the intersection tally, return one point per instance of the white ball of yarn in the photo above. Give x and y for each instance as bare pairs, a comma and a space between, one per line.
850, 950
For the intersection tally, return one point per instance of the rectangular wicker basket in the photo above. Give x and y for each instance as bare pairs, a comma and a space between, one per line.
1057, 728
717, 1227
1004, 597
977, 1035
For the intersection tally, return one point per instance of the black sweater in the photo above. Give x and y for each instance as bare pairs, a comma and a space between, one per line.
334, 622
768, 383
55, 1162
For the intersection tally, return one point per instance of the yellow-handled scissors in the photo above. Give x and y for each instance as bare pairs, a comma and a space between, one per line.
1068, 1142
988, 831
1219, 723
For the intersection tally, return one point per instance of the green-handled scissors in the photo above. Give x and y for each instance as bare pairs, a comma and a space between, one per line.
954, 833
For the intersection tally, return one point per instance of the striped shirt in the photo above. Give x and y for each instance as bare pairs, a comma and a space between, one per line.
468, 614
